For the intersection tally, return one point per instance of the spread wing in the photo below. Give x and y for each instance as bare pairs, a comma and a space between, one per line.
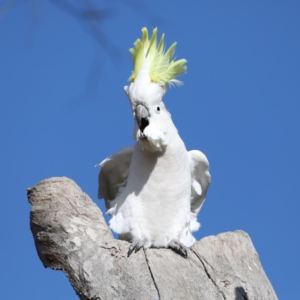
114, 174
200, 179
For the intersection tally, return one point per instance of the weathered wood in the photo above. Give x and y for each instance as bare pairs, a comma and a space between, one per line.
232, 263
71, 235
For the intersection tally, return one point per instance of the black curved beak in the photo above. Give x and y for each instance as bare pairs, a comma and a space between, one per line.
142, 117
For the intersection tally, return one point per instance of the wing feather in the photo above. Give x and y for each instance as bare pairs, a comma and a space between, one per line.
113, 175
200, 179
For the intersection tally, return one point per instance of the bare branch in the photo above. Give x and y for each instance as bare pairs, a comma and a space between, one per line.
90, 18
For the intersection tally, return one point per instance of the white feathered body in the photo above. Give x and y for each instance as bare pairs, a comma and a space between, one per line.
155, 204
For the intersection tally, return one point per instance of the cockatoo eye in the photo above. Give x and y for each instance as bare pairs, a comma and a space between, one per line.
157, 109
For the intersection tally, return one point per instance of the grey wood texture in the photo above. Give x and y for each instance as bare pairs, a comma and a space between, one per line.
71, 235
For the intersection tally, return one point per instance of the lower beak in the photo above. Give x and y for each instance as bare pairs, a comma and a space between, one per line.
142, 117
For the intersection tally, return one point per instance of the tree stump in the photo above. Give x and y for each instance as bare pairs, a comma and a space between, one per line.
71, 235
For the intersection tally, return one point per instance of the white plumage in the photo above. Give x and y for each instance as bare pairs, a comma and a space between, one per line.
155, 189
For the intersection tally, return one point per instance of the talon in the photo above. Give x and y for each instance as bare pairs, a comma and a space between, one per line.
135, 246
131, 248
178, 247
139, 246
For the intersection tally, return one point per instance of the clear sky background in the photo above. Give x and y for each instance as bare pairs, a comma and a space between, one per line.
63, 110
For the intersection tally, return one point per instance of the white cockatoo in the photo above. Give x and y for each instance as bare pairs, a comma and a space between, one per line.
154, 190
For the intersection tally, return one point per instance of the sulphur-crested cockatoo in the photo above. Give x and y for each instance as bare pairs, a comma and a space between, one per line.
154, 190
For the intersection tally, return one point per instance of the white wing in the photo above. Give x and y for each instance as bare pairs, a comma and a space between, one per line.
200, 179
114, 174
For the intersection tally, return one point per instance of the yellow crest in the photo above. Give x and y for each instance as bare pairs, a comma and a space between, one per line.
164, 69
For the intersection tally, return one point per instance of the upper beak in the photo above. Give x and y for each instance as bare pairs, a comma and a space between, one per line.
142, 115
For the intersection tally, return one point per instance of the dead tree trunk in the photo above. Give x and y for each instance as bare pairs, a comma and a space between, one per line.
71, 235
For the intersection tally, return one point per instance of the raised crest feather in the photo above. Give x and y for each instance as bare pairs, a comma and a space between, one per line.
163, 68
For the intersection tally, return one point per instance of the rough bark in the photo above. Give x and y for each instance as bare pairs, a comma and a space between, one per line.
71, 235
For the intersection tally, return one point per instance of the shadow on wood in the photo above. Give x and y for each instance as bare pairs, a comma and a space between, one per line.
71, 235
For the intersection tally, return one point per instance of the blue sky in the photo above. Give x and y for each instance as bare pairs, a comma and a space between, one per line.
63, 110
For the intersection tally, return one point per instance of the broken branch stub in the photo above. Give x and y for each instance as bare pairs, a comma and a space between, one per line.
71, 235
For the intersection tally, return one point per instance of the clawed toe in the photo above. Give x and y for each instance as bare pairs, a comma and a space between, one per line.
175, 245
135, 246
178, 247
138, 246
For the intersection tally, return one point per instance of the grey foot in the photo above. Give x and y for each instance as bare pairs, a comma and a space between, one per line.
178, 247
136, 245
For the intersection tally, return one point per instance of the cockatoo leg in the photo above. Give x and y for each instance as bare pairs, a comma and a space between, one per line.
178, 247
136, 245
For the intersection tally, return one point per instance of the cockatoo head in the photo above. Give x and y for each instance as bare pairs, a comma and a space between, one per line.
153, 71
